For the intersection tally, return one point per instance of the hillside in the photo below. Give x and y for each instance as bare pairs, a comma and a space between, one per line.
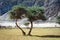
5, 5
52, 7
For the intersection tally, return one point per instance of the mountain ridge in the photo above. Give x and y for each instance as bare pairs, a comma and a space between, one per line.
5, 5
52, 7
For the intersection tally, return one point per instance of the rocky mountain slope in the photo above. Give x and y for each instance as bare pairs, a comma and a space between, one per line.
52, 6
5, 5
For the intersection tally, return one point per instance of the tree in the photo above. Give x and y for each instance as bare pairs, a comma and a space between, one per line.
34, 13
16, 13
58, 19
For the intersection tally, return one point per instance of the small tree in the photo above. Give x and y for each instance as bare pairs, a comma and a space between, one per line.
58, 19
16, 13
35, 13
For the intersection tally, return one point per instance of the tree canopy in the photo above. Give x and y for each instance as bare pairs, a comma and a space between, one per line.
35, 13
17, 11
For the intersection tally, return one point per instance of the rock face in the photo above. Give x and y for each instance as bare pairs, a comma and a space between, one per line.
5, 5
52, 7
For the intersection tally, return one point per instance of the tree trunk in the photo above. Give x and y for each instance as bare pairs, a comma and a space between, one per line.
29, 33
20, 28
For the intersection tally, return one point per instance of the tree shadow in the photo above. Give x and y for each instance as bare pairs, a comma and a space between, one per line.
49, 36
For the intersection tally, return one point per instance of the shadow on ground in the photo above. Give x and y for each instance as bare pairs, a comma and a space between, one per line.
50, 36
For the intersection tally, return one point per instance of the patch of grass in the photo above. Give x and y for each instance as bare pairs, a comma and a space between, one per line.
37, 34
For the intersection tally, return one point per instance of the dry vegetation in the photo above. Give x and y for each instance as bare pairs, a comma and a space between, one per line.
37, 33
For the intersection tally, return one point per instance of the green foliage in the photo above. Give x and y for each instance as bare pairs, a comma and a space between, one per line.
17, 11
12, 15
17, 7
58, 19
35, 10
35, 13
